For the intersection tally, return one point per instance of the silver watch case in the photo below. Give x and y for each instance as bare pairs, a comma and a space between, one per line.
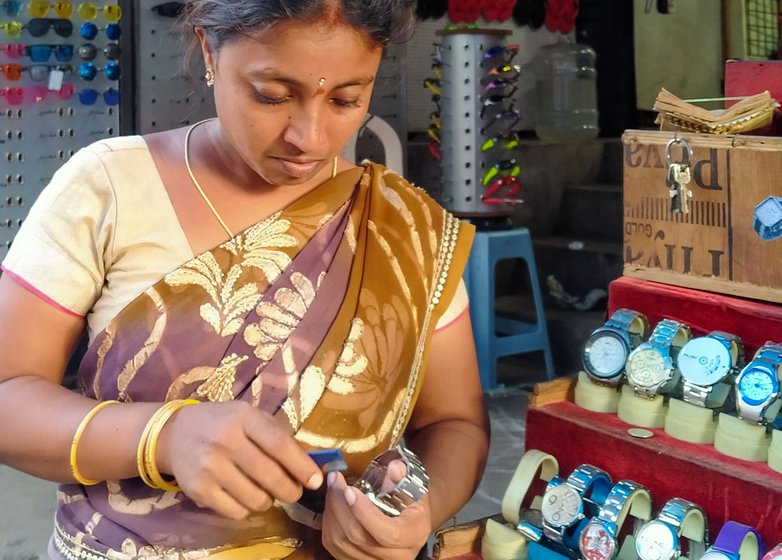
406, 492
659, 386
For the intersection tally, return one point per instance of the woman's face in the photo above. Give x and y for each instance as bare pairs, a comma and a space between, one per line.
291, 97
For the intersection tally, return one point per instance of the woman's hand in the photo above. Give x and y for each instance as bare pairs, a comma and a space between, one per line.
234, 458
354, 528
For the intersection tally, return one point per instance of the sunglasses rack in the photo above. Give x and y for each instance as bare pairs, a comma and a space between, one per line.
167, 95
472, 126
56, 95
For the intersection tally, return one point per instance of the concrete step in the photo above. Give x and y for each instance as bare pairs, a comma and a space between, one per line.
593, 211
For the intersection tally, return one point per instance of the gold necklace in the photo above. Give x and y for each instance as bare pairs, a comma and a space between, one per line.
201, 190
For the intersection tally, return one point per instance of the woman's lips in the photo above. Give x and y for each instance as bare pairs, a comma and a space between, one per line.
299, 169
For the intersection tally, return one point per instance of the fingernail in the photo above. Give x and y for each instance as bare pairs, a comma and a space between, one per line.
331, 478
350, 495
315, 481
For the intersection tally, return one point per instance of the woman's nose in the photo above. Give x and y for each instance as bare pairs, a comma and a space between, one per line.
305, 129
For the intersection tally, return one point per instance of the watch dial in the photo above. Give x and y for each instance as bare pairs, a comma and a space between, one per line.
704, 361
715, 555
655, 541
596, 543
561, 505
605, 355
756, 385
646, 367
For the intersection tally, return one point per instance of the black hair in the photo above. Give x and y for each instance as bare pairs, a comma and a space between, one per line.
383, 21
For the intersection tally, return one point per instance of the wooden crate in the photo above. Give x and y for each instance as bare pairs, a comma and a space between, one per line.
714, 247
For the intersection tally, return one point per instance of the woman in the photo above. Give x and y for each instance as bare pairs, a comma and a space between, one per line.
302, 301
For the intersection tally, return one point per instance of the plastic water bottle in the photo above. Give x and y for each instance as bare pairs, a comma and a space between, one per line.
566, 92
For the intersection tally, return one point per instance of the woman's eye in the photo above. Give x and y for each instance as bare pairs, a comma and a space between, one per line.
347, 102
269, 100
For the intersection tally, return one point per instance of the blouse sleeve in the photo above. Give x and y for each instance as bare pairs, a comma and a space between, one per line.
64, 246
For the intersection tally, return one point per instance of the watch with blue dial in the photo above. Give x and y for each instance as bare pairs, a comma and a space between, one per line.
568, 503
757, 386
599, 538
661, 538
735, 541
706, 363
607, 348
651, 368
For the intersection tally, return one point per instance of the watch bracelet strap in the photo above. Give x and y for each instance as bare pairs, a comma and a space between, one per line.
633, 323
592, 483
670, 334
407, 491
626, 497
699, 395
734, 344
737, 538
687, 518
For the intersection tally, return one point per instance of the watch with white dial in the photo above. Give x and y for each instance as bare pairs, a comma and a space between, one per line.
607, 348
660, 538
757, 386
568, 503
735, 541
774, 554
706, 363
651, 368
598, 539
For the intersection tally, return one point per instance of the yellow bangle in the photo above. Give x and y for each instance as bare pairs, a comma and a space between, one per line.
145, 457
77, 438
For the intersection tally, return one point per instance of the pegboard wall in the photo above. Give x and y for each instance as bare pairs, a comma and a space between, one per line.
168, 94
61, 88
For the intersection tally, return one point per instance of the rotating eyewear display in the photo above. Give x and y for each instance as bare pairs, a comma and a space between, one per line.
169, 9
39, 9
12, 50
88, 51
503, 191
90, 97
42, 53
88, 71
509, 165
89, 31
89, 11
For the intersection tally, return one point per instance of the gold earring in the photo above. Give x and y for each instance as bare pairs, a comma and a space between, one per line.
209, 76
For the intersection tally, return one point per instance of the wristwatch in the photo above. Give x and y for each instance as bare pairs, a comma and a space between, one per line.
660, 538
705, 363
568, 503
651, 368
407, 491
767, 218
735, 542
774, 554
757, 386
599, 538
607, 348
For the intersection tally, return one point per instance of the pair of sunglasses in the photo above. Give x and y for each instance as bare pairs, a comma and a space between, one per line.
39, 9
433, 86
12, 50
496, 99
169, 9
88, 71
503, 191
506, 51
91, 96
89, 30
89, 11
508, 142
12, 8
510, 165
38, 72
16, 95
506, 119
42, 53
38, 27
88, 51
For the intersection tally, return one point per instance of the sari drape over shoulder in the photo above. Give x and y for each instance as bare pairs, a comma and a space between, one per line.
320, 315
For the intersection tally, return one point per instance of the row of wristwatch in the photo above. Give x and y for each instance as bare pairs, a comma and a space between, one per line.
705, 369
582, 516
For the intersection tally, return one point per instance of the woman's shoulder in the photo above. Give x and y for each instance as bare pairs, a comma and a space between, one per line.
403, 186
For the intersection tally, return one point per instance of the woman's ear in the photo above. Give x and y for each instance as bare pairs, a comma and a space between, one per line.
206, 50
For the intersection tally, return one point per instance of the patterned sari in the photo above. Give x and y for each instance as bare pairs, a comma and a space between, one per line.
320, 314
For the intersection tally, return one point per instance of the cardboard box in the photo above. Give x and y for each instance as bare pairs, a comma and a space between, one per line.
715, 246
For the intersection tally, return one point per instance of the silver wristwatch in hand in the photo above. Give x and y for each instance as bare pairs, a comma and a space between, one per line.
405, 492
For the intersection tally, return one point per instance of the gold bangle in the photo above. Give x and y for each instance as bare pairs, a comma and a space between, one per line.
145, 457
77, 438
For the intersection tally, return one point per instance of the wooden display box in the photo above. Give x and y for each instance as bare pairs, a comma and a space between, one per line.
714, 247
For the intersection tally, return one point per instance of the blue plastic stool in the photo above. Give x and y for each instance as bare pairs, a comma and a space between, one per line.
495, 335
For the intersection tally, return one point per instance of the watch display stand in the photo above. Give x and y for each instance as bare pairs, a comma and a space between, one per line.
775, 451
740, 439
627, 550
641, 411
502, 542
594, 397
688, 422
